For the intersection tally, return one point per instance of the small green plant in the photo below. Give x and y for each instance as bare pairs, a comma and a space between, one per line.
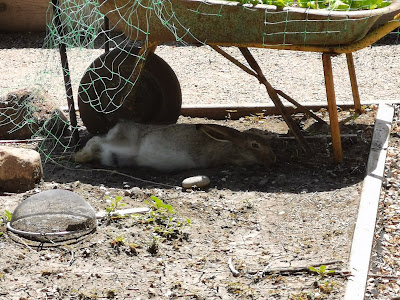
154, 246
5, 217
240, 290
343, 5
163, 219
119, 244
326, 286
322, 271
114, 204
159, 205
302, 296
118, 241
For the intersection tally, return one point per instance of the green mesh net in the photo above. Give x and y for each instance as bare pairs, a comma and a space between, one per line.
123, 78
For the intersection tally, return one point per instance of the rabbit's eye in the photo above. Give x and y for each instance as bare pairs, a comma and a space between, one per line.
255, 145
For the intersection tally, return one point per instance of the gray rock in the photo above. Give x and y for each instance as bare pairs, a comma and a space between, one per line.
24, 112
20, 169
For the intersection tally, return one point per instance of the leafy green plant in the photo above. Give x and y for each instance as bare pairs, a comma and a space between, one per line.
5, 217
302, 296
322, 271
165, 223
160, 206
114, 204
118, 241
344, 5
326, 286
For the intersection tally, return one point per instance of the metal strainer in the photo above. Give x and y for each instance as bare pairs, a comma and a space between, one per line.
53, 216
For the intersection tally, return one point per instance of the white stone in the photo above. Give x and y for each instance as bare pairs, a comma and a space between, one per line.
200, 181
20, 169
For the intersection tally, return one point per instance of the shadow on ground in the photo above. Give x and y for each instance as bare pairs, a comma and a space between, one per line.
293, 172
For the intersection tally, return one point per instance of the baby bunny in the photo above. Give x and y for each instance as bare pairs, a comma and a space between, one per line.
176, 147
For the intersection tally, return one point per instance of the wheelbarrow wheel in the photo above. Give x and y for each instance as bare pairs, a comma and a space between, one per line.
109, 94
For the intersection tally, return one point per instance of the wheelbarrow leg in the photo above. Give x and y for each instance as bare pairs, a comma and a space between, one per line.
280, 93
145, 50
332, 108
106, 34
142, 55
353, 81
277, 101
66, 73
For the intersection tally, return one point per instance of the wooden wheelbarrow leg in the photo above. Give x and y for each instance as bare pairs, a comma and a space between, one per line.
332, 108
145, 50
66, 74
277, 101
353, 81
253, 73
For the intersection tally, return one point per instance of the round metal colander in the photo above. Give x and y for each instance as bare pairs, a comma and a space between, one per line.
53, 216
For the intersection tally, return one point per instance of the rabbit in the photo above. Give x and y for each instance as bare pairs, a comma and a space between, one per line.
176, 147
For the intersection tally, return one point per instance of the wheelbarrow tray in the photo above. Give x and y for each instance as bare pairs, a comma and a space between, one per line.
229, 23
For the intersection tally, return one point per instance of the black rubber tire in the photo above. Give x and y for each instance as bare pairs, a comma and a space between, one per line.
155, 98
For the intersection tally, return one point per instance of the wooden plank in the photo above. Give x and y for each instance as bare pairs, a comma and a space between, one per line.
365, 226
236, 111
23, 16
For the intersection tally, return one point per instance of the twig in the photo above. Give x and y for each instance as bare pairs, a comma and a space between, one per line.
72, 252
112, 172
23, 242
235, 272
21, 141
123, 212
295, 270
384, 276
71, 261
316, 136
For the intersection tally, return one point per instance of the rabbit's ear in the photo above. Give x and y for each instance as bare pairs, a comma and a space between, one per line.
220, 133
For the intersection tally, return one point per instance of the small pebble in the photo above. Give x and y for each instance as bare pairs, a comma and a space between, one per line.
200, 181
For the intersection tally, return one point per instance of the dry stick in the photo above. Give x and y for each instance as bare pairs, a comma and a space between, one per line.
121, 174
22, 141
317, 136
22, 242
294, 270
384, 276
235, 272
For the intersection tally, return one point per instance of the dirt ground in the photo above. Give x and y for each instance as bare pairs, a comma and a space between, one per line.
269, 224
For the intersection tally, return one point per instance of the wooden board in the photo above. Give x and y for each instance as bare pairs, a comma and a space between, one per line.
23, 16
236, 111
363, 236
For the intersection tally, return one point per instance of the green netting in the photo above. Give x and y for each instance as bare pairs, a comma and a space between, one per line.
127, 82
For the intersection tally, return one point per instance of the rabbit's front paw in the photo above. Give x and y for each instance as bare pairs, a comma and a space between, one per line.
83, 156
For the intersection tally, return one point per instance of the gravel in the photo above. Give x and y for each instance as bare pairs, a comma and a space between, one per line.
208, 78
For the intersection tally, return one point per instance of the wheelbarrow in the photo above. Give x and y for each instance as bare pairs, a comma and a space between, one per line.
144, 88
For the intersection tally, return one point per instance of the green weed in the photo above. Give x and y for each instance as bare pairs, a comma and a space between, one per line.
322, 271
163, 219
5, 217
114, 204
